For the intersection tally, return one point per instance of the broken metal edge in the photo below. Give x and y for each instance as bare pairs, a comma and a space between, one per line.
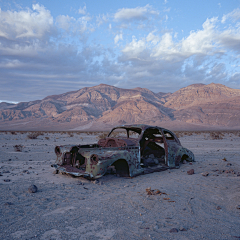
76, 174
138, 173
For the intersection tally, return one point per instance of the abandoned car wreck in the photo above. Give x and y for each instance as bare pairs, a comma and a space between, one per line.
131, 149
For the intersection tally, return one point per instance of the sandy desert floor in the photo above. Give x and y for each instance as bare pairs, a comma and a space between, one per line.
194, 206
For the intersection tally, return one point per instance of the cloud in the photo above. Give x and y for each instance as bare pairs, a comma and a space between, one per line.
230, 39
234, 15
78, 25
207, 41
153, 38
82, 10
198, 42
118, 37
159, 60
55, 55
201, 41
65, 22
135, 48
100, 19
138, 13
35, 23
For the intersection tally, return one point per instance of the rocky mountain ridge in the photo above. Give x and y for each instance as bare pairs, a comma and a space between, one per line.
104, 106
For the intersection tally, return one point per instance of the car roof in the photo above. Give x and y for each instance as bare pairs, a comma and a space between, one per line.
141, 126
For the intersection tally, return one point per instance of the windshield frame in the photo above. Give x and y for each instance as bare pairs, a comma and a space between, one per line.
137, 130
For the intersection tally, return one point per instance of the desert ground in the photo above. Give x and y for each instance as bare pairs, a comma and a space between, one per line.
204, 205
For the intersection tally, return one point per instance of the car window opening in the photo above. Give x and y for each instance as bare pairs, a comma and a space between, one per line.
152, 148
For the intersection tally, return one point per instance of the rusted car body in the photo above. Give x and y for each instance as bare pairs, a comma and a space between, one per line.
131, 149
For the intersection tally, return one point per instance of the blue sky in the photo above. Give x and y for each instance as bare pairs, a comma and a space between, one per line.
51, 47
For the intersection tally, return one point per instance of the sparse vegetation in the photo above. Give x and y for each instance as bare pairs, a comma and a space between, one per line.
102, 135
34, 135
70, 134
18, 148
216, 135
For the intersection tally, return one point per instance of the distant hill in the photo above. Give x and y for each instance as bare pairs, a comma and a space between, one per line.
197, 106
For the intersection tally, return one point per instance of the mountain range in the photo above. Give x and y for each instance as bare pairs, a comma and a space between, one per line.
195, 107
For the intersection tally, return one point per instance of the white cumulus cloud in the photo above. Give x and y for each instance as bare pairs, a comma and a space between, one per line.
138, 13
33, 23
134, 48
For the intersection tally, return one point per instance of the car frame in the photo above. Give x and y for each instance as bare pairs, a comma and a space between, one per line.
142, 149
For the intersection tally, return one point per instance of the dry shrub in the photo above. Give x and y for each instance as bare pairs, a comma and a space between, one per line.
70, 134
216, 135
47, 138
33, 135
102, 135
13, 133
178, 134
183, 133
18, 148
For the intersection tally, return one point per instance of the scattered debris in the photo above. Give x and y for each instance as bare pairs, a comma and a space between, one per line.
166, 198
8, 203
205, 174
6, 180
96, 182
218, 208
189, 205
154, 192
224, 159
155, 227
229, 164
190, 172
56, 171
80, 183
238, 207
182, 229
173, 230
32, 189
230, 171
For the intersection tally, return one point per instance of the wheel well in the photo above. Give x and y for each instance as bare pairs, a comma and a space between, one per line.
184, 157
122, 168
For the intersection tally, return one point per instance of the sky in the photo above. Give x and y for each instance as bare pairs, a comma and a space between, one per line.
52, 47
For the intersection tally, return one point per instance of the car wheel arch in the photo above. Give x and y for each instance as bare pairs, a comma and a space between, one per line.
122, 168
